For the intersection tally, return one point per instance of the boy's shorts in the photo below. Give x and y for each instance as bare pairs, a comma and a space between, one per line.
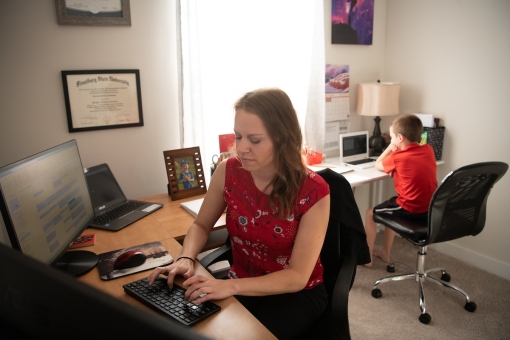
391, 207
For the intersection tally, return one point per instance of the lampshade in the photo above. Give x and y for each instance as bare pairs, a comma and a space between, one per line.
378, 99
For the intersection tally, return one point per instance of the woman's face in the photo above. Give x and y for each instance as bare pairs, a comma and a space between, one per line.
253, 144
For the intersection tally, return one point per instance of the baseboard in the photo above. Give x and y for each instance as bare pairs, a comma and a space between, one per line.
478, 260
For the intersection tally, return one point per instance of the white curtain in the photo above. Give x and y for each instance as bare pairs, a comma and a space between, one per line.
230, 47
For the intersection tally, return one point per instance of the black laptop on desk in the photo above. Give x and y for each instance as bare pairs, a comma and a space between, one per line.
112, 209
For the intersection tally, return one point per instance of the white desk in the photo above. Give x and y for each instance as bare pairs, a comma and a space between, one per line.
358, 177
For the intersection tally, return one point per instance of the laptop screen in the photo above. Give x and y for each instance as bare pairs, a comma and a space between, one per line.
354, 146
103, 188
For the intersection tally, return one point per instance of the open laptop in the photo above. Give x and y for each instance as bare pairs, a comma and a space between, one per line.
354, 150
112, 209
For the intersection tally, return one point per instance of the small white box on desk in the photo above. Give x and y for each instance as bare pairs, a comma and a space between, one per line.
427, 120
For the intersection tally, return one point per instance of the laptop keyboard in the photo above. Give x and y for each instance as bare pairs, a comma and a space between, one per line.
362, 161
170, 301
117, 212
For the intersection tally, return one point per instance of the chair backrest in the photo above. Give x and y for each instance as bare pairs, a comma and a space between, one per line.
345, 235
458, 206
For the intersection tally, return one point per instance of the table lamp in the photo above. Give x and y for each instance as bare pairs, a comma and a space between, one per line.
378, 99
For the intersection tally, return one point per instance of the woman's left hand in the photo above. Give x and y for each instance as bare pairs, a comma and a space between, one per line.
203, 288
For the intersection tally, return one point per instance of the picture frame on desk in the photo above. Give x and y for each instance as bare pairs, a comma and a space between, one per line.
102, 99
90, 13
185, 172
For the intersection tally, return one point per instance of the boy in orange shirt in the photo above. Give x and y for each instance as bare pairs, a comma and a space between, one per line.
413, 168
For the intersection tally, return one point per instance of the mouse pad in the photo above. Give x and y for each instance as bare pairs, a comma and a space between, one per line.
156, 253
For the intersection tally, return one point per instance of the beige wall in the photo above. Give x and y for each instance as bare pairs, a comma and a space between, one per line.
449, 56
452, 58
34, 49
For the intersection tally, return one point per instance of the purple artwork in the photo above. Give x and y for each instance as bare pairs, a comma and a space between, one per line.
352, 22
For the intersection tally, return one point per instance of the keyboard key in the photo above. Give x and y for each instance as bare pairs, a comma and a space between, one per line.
117, 212
170, 301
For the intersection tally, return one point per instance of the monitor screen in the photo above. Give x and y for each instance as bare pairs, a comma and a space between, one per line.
45, 202
354, 145
104, 189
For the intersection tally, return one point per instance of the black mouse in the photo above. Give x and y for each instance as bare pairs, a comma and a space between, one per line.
130, 259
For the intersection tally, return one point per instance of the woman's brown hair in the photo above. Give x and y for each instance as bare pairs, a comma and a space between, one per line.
278, 115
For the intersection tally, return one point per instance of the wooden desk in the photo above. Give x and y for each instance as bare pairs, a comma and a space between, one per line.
171, 217
232, 322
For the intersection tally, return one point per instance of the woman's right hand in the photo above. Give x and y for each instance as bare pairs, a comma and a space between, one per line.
182, 267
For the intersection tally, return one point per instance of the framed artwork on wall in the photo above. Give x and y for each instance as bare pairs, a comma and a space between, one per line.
93, 12
185, 172
102, 99
352, 22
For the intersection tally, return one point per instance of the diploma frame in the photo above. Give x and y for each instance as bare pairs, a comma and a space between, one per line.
63, 18
173, 161
76, 110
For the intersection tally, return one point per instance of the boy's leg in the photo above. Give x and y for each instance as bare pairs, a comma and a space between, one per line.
389, 206
384, 254
371, 231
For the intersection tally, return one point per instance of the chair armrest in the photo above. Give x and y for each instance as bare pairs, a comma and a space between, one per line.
340, 301
222, 253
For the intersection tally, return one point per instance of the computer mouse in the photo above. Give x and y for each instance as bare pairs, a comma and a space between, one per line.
130, 259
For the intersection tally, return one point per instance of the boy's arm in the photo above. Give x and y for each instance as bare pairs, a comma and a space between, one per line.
385, 153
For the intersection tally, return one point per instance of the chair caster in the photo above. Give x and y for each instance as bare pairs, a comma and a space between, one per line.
446, 277
390, 268
376, 293
425, 318
469, 306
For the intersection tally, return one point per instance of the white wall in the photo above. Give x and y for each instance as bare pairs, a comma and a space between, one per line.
34, 49
366, 64
452, 58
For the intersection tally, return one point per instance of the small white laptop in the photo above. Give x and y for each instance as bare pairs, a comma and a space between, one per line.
354, 150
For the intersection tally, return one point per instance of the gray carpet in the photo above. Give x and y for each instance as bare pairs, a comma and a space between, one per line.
395, 314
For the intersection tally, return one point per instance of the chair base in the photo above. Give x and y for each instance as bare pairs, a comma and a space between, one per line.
420, 275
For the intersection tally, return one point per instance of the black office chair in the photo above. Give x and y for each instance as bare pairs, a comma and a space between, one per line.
457, 209
344, 247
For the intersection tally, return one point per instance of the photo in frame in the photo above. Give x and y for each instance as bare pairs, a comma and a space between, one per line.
93, 12
102, 99
185, 172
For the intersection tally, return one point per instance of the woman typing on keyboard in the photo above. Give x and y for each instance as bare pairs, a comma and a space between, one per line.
277, 216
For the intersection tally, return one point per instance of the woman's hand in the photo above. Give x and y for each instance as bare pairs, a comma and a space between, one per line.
182, 267
202, 288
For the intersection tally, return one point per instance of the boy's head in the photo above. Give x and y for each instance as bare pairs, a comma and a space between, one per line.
409, 126
184, 165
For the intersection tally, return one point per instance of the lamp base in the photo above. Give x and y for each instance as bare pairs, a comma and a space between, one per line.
376, 143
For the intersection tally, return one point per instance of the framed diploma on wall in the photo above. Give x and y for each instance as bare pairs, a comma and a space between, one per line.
102, 99
93, 12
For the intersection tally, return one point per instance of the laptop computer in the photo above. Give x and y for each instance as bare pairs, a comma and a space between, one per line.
113, 211
354, 150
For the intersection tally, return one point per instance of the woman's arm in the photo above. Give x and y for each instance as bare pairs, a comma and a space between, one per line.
306, 250
196, 237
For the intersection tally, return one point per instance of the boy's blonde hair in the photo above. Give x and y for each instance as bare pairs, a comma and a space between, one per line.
409, 126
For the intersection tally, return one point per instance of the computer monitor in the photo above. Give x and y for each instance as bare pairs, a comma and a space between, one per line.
45, 205
40, 302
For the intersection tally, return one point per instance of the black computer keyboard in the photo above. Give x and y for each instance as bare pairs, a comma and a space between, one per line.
362, 161
117, 212
170, 301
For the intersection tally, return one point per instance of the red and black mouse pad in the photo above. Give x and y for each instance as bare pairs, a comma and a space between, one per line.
126, 261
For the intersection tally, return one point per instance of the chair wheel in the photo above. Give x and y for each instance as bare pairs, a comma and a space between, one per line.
425, 318
446, 277
470, 306
390, 268
376, 293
